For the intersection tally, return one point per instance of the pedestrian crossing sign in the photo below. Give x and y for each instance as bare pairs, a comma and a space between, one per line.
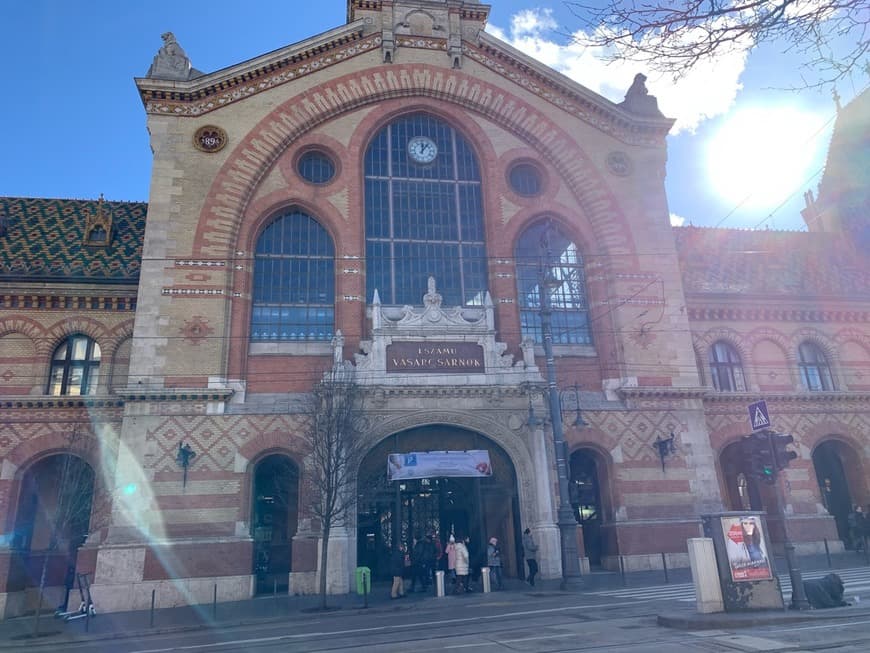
759, 418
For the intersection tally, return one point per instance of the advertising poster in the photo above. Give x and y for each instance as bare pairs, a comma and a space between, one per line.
432, 464
746, 548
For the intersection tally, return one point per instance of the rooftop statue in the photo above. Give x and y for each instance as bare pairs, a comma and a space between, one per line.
171, 62
638, 100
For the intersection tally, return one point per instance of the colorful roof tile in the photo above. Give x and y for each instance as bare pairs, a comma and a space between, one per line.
44, 240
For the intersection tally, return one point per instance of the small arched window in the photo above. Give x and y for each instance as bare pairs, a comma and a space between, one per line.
75, 367
814, 368
544, 254
294, 281
726, 369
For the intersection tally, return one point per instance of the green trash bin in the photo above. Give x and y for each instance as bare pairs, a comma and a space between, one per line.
363, 580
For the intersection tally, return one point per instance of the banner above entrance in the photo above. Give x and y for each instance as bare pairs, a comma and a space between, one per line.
431, 464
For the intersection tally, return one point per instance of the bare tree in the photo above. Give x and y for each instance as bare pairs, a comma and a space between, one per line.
829, 35
335, 453
71, 484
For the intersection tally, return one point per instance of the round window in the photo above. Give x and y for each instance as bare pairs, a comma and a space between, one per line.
525, 179
316, 167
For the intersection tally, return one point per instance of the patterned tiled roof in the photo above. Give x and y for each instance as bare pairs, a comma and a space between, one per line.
775, 263
44, 240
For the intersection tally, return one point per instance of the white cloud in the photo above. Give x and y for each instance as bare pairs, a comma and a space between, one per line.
677, 220
706, 91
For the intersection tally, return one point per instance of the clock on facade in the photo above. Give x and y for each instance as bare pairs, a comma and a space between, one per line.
422, 149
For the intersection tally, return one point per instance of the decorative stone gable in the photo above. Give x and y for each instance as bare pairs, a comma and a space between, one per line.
411, 22
433, 345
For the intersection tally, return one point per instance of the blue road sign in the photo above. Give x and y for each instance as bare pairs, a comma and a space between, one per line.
759, 418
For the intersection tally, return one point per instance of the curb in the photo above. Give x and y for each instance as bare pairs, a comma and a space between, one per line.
715, 621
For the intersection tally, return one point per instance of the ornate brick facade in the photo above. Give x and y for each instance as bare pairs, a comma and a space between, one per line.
169, 301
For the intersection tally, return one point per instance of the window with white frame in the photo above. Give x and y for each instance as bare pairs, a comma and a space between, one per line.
75, 367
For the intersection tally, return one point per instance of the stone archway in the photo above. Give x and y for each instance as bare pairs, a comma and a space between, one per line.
51, 524
274, 520
841, 480
401, 511
591, 502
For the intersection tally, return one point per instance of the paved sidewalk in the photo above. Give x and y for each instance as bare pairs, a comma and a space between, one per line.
16, 633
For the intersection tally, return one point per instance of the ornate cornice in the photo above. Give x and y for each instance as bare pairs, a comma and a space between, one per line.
43, 402
746, 398
203, 96
567, 94
200, 96
663, 392
175, 394
766, 313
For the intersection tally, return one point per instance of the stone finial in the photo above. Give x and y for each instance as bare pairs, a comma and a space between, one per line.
171, 63
638, 100
337, 348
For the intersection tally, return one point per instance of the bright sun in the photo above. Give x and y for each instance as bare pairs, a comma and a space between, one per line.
764, 155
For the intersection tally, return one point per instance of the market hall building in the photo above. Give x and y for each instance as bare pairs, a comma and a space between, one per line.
388, 197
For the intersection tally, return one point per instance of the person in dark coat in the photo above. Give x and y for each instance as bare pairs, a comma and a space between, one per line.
825, 592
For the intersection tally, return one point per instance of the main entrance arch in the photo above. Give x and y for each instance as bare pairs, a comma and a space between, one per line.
841, 482
389, 513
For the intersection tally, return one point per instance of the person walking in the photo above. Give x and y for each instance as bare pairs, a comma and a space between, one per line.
462, 566
493, 561
419, 559
530, 550
857, 527
397, 568
450, 555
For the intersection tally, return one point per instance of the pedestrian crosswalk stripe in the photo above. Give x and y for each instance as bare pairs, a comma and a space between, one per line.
855, 580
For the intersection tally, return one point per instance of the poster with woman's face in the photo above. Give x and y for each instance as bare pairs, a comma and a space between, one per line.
746, 549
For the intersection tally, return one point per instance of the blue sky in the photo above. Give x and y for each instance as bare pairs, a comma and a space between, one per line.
73, 125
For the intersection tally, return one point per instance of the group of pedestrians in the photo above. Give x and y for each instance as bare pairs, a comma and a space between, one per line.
427, 556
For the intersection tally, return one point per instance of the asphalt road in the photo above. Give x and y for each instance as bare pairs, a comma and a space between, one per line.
516, 621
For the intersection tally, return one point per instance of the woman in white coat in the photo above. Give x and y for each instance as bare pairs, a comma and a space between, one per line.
462, 566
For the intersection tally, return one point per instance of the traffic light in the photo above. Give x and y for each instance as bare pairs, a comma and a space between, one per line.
758, 453
782, 456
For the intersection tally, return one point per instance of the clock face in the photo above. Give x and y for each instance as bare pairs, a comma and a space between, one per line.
422, 149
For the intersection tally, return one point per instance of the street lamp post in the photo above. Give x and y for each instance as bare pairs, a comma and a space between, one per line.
571, 578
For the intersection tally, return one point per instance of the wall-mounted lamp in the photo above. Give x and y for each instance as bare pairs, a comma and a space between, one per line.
184, 457
578, 422
665, 447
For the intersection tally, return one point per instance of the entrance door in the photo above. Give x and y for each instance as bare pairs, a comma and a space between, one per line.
393, 512
273, 523
840, 482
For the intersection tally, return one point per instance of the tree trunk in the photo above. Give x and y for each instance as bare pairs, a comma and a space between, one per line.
40, 594
324, 567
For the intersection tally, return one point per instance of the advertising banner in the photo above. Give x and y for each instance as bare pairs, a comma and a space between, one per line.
746, 548
432, 464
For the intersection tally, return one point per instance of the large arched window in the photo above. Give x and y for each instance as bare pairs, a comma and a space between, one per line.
545, 254
814, 368
294, 281
75, 367
726, 369
424, 214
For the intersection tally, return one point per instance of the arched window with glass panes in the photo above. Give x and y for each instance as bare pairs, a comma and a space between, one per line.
294, 281
75, 367
545, 255
726, 368
815, 370
423, 214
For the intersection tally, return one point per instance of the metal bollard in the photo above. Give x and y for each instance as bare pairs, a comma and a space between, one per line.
484, 579
665, 567
827, 553
622, 570
439, 583
153, 594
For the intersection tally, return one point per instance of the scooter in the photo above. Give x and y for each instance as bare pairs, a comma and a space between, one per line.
86, 606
